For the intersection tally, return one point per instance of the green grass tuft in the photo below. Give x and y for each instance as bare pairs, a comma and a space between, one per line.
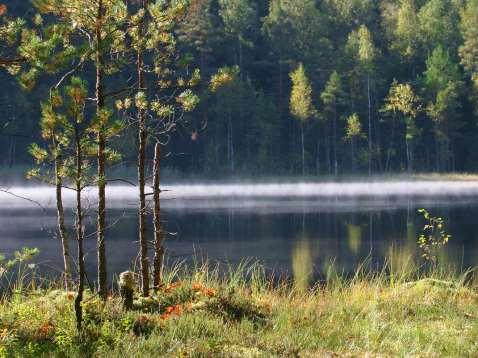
203, 312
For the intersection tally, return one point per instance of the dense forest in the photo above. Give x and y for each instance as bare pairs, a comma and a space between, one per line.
321, 87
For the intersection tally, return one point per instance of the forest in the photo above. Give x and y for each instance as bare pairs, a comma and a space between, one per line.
319, 88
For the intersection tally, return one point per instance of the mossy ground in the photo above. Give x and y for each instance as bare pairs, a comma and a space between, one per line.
200, 314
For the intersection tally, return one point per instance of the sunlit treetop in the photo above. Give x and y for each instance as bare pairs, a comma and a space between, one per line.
353, 127
301, 105
224, 76
401, 98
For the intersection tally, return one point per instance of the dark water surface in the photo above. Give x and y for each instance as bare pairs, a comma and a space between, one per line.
230, 228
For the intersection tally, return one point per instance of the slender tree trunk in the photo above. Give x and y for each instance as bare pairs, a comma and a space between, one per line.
11, 152
336, 165
240, 57
411, 155
142, 137
327, 148
437, 153
390, 147
79, 234
230, 140
303, 147
369, 126
158, 232
61, 224
101, 158
318, 157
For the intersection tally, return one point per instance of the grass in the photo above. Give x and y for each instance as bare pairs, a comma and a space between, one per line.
203, 312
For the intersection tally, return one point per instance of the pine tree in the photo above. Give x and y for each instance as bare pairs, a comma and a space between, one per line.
65, 37
332, 97
407, 39
240, 20
156, 107
442, 81
65, 126
10, 30
469, 49
360, 43
52, 161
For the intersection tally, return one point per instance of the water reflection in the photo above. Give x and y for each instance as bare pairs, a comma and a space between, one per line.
337, 232
302, 263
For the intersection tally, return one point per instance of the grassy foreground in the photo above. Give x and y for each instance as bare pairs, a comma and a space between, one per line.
200, 314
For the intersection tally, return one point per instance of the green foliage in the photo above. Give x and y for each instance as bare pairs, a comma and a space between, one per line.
346, 316
429, 44
239, 17
333, 94
360, 44
407, 39
433, 238
223, 77
18, 273
62, 119
438, 24
353, 127
301, 106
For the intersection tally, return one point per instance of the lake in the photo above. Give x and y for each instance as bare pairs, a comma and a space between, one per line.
344, 223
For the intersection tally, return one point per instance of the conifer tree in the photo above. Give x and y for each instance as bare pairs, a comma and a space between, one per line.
406, 35
86, 30
10, 30
469, 48
240, 20
52, 161
443, 84
360, 42
332, 97
67, 129
156, 107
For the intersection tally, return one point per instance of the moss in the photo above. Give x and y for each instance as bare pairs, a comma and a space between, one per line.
202, 315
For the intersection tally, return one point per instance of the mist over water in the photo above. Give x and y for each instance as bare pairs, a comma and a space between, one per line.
257, 194
341, 222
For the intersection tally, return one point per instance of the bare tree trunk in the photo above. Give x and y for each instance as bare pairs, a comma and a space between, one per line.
327, 148
230, 141
318, 156
143, 240
336, 164
79, 234
101, 158
61, 224
158, 232
303, 146
369, 126
390, 147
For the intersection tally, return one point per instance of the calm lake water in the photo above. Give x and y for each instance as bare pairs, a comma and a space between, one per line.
344, 223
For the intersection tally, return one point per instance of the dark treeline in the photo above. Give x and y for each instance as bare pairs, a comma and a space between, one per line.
325, 87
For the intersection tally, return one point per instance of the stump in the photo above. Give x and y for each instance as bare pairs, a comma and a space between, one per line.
126, 284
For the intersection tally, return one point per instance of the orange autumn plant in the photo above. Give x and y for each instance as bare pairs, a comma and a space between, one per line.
45, 331
171, 287
172, 311
4, 334
199, 288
